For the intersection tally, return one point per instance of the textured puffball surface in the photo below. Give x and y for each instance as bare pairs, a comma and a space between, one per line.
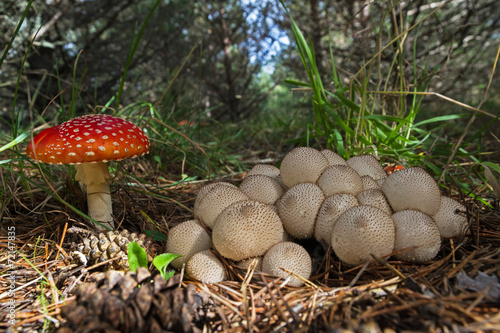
262, 188
369, 183
412, 188
206, 267
331, 209
245, 264
290, 256
215, 201
298, 209
302, 165
333, 158
376, 199
186, 239
340, 179
367, 165
205, 189
264, 169
361, 231
414, 228
246, 229
451, 218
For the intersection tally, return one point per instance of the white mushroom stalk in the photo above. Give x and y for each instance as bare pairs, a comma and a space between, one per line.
94, 176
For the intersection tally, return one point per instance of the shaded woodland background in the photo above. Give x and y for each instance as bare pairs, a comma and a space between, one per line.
227, 60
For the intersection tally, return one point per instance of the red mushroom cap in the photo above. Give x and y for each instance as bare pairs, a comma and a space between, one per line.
91, 138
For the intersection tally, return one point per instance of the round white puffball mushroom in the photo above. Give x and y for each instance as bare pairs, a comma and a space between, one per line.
412, 188
206, 267
333, 158
414, 228
290, 256
264, 169
186, 239
331, 209
340, 179
361, 231
215, 201
302, 165
245, 264
367, 165
298, 209
374, 198
262, 188
206, 188
369, 183
451, 218
246, 229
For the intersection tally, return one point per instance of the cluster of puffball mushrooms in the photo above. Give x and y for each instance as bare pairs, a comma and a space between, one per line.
353, 206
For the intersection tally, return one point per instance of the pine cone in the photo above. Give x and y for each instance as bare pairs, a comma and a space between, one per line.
111, 244
115, 303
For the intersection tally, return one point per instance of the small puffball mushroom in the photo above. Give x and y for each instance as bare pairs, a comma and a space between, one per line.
206, 267
361, 231
333, 158
302, 165
412, 188
245, 264
215, 201
264, 169
374, 198
451, 218
89, 142
414, 228
246, 229
205, 189
367, 165
186, 239
298, 209
340, 179
331, 209
369, 183
262, 188
290, 256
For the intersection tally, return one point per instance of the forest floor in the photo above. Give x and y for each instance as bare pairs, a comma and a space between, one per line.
458, 291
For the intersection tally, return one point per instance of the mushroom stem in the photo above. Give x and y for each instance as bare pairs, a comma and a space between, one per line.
94, 177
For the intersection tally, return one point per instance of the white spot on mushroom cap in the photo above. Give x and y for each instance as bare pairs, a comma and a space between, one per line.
186, 239
361, 231
416, 229
215, 201
246, 229
301, 165
291, 256
330, 210
262, 188
451, 218
340, 179
298, 209
412, 188
206, 267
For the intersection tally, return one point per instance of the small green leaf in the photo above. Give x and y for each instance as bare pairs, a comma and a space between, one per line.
162, 261
137, 256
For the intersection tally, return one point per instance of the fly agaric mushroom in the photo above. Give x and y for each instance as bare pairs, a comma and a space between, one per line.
89, 142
